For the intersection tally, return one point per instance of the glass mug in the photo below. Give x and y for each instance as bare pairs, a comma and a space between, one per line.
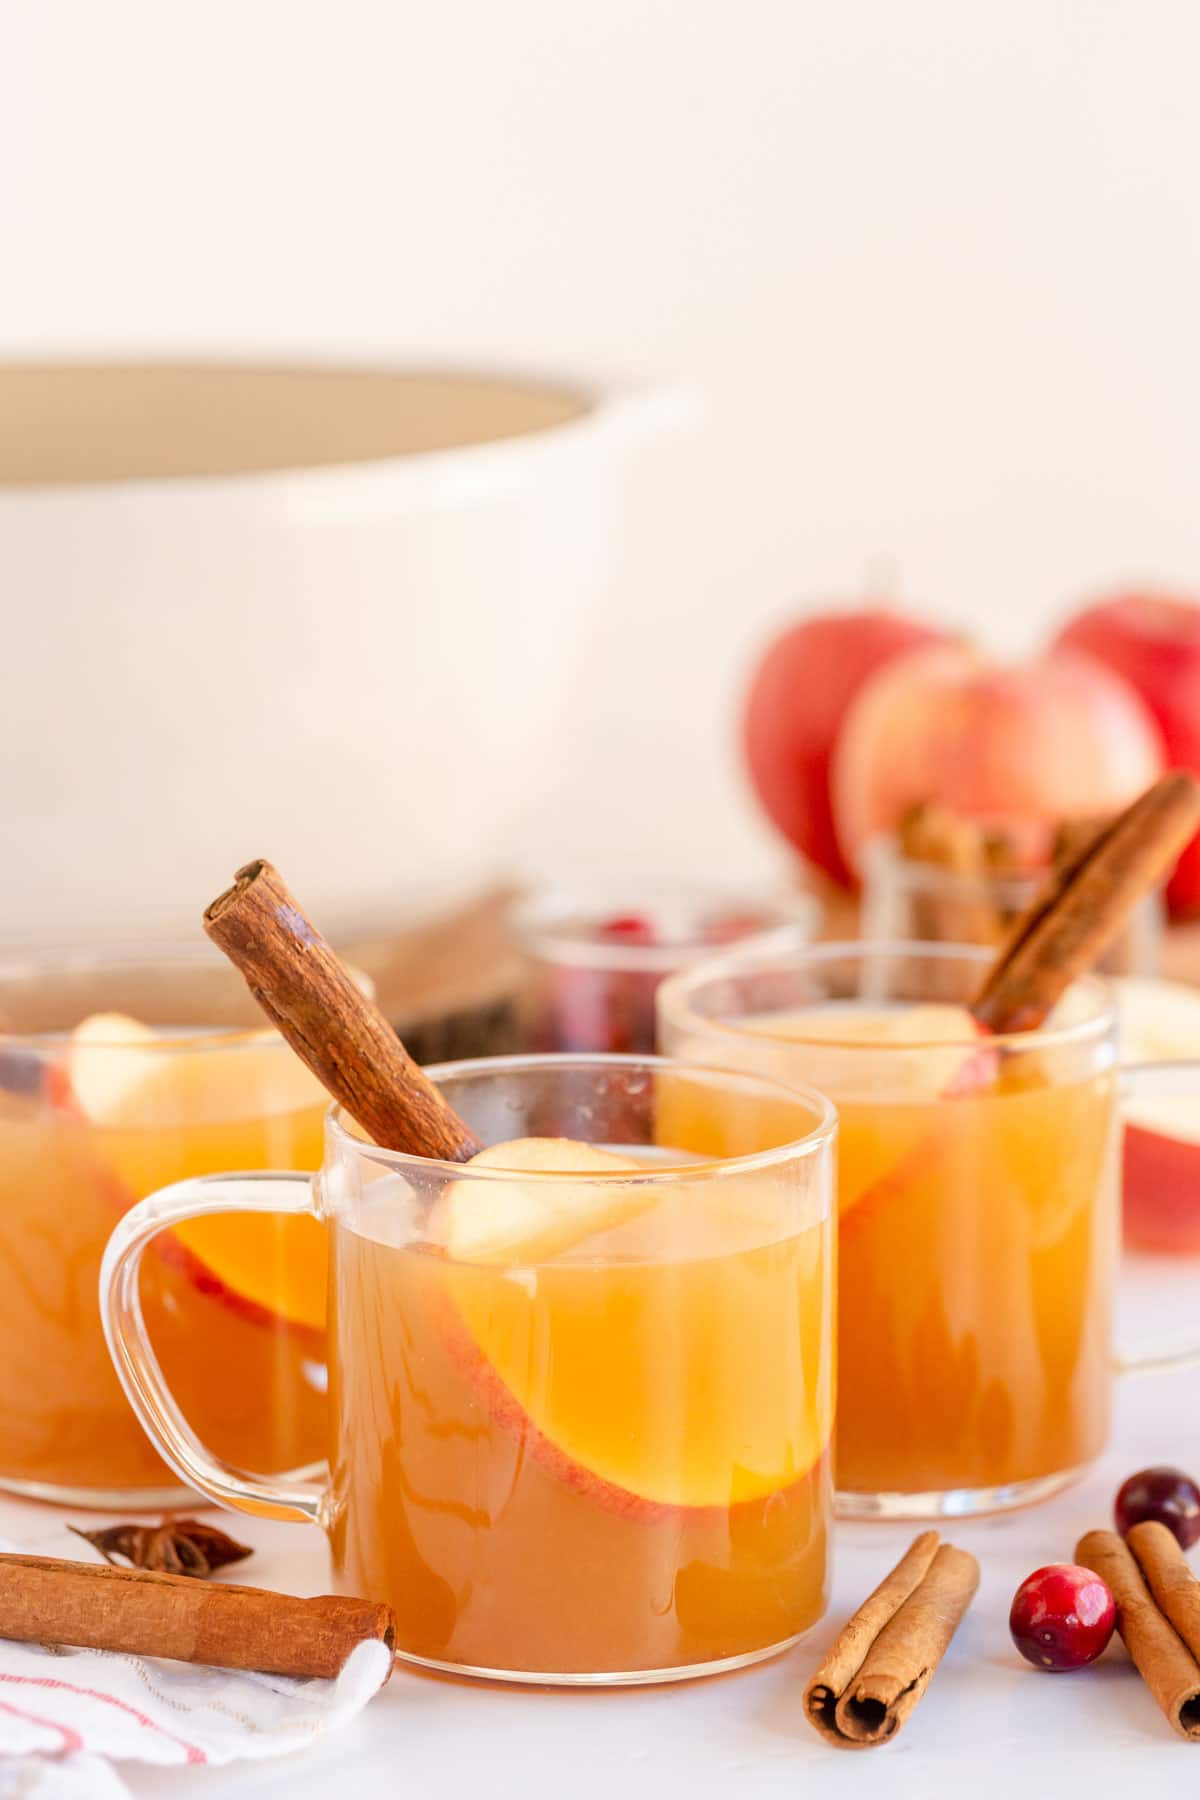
978, 1210
119, 1073
580, 1422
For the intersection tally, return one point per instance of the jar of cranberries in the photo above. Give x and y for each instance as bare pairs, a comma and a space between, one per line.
594, 958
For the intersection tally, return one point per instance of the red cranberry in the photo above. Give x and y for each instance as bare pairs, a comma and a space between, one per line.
1167, 1495
627, 928
1062, 1617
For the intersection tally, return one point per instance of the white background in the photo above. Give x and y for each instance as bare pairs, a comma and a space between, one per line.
932, 269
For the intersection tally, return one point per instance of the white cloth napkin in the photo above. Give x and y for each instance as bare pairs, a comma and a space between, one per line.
66, 1715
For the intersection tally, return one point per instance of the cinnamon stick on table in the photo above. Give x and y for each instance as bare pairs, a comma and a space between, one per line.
885, 1656
45, 1600
310, 995
1158, 1613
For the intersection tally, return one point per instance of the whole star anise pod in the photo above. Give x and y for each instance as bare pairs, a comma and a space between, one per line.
176, 1547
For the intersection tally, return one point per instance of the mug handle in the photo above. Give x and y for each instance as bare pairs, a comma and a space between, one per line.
266, 1191
1159, 1081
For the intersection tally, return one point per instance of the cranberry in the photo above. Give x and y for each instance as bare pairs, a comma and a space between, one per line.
627, 928
1167, 1495
1062, 1617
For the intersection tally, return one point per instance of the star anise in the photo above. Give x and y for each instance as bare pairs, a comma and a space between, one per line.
176, 1547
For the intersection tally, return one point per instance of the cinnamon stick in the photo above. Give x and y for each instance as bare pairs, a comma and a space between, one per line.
961, 911
308, 993
1073, 838
1169, 1577
1064, 935
885, 1656
45, 1600
1163, 1660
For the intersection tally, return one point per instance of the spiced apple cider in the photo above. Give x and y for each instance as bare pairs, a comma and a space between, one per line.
581, 1382
977, 1184
97, 1109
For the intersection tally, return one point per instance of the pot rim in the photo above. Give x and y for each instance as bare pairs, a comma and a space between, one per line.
616, 413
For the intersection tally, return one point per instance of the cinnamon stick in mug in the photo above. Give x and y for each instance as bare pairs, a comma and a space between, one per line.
1063, 936
47, 1600
886, 1654
310, 995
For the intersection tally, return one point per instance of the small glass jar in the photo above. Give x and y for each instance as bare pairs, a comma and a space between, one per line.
907, 899
595, 956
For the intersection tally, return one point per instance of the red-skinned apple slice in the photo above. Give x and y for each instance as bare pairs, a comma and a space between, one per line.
539, 1263
119, 1075
1160, 1022
925, 1061
494, 1221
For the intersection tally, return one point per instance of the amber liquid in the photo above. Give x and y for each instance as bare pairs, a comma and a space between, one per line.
976, 1253
244, 1358
590, 1467
976, 1247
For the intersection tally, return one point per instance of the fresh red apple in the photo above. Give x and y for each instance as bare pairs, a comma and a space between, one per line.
1160, 1022
1153, 641
1020, 747
794, 709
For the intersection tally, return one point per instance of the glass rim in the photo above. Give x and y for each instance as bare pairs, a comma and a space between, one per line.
46, 961
534, 917
1015, 887
675, 996
166, 1041
821, 1131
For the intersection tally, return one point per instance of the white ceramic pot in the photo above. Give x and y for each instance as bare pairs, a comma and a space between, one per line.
325, 615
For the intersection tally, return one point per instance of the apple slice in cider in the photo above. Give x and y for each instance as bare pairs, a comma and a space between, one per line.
160, 1112
927, 1060
499, 1221
632, 1334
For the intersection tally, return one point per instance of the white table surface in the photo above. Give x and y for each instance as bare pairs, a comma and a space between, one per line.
989, 1725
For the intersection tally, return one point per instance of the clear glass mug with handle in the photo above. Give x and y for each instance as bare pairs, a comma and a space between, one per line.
978, 1209
122, 1070
580, 1416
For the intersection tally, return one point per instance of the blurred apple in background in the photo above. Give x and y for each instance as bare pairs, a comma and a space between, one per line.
1021, 747
1153, 640
798, 696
